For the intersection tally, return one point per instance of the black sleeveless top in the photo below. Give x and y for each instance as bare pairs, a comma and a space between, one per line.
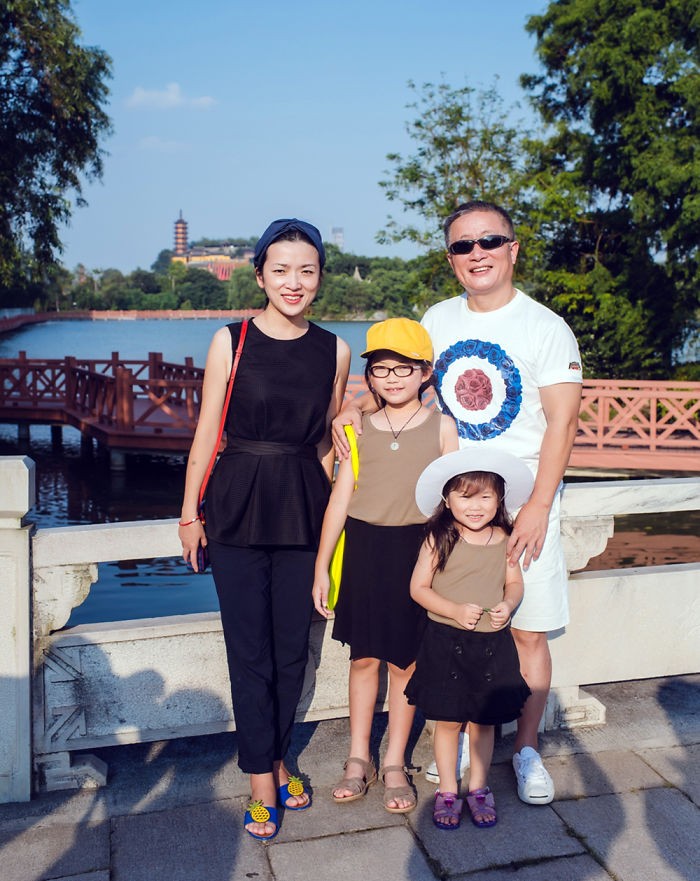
268, 487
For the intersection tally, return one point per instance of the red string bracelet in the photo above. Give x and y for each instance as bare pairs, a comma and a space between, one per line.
188, 522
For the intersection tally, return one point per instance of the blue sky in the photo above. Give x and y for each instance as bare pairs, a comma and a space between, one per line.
238, 113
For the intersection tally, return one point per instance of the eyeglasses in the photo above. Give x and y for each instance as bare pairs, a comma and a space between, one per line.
380, 371
486, 243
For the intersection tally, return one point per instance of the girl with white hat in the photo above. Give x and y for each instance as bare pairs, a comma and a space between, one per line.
467, 669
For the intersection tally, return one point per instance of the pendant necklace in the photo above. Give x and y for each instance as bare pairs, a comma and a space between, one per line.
394, 445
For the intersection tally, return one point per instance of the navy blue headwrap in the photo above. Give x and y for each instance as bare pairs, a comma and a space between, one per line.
277, 228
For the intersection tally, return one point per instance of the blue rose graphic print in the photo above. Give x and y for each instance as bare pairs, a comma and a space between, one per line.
480, 387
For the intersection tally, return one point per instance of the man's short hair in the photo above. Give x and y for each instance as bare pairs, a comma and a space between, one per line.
476, 205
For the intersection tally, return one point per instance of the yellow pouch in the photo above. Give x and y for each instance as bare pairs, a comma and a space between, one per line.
335, 569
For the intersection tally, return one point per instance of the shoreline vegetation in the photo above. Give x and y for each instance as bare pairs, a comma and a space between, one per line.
15, 322
357, 288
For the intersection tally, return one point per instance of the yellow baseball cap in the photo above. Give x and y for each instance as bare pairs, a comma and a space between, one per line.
401, 335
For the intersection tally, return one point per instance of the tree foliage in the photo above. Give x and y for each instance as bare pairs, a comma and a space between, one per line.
162, 262
466, 148
243, 290
52, 93
605, 199
621, 93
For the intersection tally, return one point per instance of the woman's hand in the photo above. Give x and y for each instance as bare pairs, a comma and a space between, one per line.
468, 615
319, 591
191, 537
500, 615
351, 414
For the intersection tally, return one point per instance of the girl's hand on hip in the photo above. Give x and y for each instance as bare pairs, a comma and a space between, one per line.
191, 537
319, 592
468, 615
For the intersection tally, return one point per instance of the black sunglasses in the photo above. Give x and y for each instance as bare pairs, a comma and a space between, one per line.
486, 243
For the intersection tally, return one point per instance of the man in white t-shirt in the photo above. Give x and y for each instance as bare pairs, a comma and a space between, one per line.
508, 370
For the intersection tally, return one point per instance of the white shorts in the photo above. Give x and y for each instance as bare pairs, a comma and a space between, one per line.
545, 604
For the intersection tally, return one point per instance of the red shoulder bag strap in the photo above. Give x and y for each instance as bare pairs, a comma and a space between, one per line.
229, 389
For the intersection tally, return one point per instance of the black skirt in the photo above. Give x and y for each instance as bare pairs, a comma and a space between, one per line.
467, 676
375, 614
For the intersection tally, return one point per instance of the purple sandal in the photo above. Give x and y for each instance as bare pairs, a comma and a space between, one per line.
447, 807
482, 807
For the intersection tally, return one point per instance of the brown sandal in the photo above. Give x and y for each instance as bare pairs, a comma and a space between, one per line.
357, 785
394, 793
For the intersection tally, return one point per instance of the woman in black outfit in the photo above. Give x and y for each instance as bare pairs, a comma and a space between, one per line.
265, 503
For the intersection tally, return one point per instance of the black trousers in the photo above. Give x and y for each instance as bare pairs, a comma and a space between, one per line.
266, 604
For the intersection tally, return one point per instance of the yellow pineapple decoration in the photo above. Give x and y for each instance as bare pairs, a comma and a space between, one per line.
258, 812
295, 786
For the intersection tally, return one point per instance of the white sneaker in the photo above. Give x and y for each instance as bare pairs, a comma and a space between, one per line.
431, 774
535, 786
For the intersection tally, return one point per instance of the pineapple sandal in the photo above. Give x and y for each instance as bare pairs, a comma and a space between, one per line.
482, 807
259, 813
294, 788
398, 793
358, 786
447, 813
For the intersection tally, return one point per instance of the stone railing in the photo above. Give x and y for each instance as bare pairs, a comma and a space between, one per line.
64, 692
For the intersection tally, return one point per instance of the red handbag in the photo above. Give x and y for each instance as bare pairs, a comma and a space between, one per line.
202, 552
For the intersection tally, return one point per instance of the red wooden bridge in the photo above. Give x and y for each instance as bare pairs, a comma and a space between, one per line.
152, 406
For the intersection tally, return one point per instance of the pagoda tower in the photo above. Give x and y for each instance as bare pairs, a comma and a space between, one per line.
180, 237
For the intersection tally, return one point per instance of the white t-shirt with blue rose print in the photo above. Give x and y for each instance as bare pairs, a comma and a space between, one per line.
489, 367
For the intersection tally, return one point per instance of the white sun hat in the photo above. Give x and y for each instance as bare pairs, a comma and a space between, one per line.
517, 476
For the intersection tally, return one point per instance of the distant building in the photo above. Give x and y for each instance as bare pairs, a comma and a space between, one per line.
180, 237
338, 236
220, 259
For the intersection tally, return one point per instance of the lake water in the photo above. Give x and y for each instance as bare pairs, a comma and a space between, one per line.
175, 339
72, 489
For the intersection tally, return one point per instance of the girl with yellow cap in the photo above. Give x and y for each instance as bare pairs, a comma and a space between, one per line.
375, 614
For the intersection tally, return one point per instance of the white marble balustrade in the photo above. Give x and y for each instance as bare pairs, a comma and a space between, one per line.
66, 691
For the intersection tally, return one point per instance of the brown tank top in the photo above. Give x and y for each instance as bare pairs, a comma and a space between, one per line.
473, 574
386, 487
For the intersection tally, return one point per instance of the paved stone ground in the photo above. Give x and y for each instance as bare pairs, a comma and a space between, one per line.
627, 808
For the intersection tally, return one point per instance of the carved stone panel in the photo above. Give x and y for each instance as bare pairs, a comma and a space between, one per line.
583, 538
57, 591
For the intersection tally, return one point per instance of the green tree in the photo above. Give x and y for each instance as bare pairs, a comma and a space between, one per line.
467, 147
341, 263
395, 291
85, 294
162, 262
112, 284
58, 289
606, 202
161, 300
620, 93
52, 93
342, 296
243, 290
202, 290
176, 273
145, 281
